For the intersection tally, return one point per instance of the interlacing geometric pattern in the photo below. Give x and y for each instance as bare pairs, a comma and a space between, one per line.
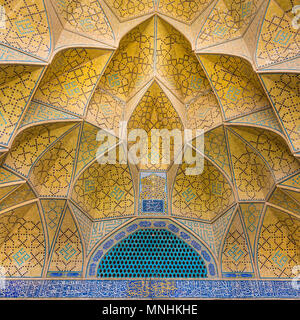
17, 84
202, 196
153, 193
125, 10
278, 244
23, 242
278, 40
132, 64
227, 20
283, 90
70, 79
71, 71
236, 85
236, 258
105, 191
184, 11
26, 29
177, 65
85, 17
154, 111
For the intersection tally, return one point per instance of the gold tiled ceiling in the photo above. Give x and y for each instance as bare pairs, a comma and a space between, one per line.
71, 68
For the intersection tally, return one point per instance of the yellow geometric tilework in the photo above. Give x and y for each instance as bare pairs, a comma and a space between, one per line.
281, 198
10, 55
152, 187
67, 254
278, 40
264, 118
8, 177
86, 17
154, 111
37, 113
62, 155
16, 85
105, 111
5, 191
203, 112
211, 233
293, 182
253, 178
287, 5
235, 83
27, 27
251, 213
51, 175
22, 243
105, 191
21, 194
182, 10
278, 248
284, 92
177, 65
228, 20
85, 224
129, 9
53, 210
201, 196
272, 148
295, 195
71, 78
132, 64
215, 147
89, 146
235, 252
31, 143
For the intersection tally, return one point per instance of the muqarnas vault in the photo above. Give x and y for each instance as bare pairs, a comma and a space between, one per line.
72, 227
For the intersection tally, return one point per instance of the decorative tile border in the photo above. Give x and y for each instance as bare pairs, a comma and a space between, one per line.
163, 223
123, 289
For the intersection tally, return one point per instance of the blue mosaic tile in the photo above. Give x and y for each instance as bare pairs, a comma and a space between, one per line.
149, 289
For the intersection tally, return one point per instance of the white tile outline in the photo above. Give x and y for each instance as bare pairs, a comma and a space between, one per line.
2, 18
295, 21
2, 278
296, 279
